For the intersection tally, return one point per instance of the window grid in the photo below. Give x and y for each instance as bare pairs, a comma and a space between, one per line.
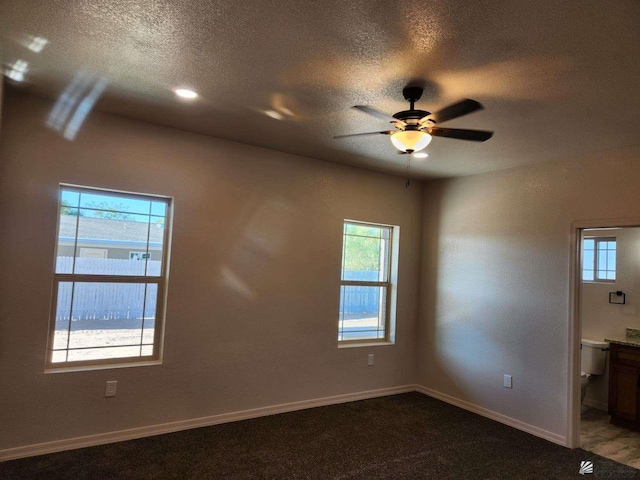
147, 349
599, 259
365, 293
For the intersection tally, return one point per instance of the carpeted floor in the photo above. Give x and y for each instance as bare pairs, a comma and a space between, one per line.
409, 436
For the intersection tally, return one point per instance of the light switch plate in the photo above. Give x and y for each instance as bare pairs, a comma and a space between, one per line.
508, 381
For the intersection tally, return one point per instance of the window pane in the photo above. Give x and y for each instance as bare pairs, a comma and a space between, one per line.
156, 246
148, 328
63, 317
69, 198
59, 356
611, 245
588, 258
68, 222
103, 353
123, 204
105, 315
602, 260
587, 275
366, 258
611, 275
589, 244
362, 230
159, 208
611, 260
362, 313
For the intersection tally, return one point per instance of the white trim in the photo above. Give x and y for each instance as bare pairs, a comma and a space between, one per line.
573, 336
485, 412
140, 432
364, 344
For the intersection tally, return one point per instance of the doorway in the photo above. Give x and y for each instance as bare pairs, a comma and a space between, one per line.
605, 265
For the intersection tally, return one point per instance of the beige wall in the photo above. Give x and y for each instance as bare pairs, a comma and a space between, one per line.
495, 279
600, 319
253, 290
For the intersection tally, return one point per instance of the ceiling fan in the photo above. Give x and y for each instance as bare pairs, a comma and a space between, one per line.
414, 129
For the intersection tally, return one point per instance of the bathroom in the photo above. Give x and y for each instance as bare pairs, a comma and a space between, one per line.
610, 321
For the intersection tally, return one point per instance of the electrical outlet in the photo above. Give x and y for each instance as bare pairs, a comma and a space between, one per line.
370, 359
110, 391
508, 381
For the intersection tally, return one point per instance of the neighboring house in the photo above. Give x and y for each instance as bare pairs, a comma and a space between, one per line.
106, 238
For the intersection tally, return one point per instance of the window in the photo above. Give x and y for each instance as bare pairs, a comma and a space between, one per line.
108, 306
599, 259
367, 286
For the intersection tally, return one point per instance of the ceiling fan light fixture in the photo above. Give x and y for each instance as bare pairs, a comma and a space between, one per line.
410, 140
185, 93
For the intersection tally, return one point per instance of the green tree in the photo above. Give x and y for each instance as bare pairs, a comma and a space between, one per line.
105, 209
362, 246
67, 209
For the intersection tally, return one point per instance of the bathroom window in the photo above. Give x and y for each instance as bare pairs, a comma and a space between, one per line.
599, 259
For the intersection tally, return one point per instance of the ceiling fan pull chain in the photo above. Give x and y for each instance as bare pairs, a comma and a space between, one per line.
408, 170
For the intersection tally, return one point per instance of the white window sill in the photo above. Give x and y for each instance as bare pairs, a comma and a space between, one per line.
86, 368
364, 344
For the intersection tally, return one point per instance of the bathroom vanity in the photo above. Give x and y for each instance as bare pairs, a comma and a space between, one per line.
624, 380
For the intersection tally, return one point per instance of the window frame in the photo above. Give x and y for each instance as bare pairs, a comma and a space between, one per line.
390, 286
599, 239
161, 281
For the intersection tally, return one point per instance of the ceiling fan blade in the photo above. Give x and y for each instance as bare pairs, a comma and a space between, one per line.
461, 134
385, 132
454, 111
375, 113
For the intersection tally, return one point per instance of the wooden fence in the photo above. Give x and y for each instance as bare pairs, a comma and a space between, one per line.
357, 300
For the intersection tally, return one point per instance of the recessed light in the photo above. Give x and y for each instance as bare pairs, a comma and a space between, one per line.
421, 155
185, 93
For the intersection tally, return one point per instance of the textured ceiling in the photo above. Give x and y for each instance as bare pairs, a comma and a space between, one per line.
557, 79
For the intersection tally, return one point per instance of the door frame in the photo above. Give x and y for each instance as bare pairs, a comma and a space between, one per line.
575, 324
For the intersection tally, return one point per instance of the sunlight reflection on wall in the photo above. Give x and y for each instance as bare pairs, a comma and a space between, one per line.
35, 44
263, 237
17, 70
75, 103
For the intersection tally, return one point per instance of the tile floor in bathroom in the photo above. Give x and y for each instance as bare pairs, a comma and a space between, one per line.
597, 435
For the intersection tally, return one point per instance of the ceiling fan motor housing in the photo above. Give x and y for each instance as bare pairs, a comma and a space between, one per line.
412, 94
411, 117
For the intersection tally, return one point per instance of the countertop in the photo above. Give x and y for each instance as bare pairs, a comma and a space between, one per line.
632, 339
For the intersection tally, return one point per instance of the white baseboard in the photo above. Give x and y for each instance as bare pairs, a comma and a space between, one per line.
485, 412
132, 433
596, 404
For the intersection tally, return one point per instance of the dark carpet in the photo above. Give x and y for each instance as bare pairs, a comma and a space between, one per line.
409, 436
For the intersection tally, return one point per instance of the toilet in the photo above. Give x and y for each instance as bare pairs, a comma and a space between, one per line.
593, 356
